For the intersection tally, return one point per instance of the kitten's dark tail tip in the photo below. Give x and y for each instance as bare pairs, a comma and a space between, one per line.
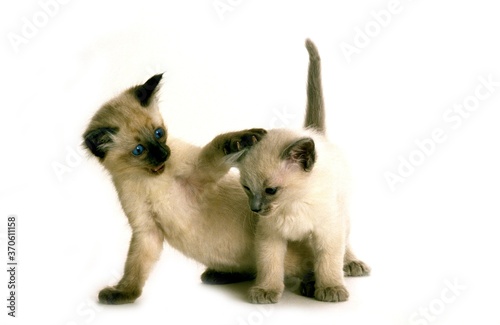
313, 51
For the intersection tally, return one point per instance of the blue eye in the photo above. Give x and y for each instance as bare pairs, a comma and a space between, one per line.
159, 133
138, 150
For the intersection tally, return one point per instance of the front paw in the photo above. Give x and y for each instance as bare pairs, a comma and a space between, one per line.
260, 295
356, 268
115, 296
240, 140
331, 294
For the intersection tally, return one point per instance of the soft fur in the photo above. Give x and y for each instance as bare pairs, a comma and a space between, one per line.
184, 194
298, 184
177, 192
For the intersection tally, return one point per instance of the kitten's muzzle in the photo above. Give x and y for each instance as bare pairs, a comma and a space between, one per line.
158, 155
158, 169
256, 203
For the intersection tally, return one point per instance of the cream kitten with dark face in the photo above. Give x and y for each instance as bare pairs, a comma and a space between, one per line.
298, 184
174, 191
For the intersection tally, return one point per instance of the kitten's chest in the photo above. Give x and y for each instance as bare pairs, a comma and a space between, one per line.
156, 199
170, 201
293, 226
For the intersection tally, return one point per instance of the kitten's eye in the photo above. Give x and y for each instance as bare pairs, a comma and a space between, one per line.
159, 133
138, 150
246, 188
271, 190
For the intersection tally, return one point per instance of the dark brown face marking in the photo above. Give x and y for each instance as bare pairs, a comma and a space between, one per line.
158, 153
153, 152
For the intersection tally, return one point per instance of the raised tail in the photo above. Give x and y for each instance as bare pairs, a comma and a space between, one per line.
315, 112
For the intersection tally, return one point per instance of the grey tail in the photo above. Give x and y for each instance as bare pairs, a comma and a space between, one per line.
315, 112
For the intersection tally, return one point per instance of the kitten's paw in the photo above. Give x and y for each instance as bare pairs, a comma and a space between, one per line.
307, 289
307, 285
243, 139
331, 294
211, 276
260, 295
356, 268
114, 296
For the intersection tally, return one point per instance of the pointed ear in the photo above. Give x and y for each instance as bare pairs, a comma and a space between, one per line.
145, 92
98, 140
302, 152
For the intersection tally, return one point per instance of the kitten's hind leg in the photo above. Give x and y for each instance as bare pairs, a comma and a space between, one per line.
353, 266
307, 285
211, 276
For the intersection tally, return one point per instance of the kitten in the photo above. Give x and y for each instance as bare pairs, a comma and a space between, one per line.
174, 191
298, 184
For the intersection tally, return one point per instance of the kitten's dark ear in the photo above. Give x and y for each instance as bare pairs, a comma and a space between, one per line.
301, 152
98, 140
145, 92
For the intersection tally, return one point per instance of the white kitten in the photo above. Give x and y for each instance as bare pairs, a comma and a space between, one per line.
298, 184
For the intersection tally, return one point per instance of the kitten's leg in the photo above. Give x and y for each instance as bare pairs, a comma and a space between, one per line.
269, 285
307, 285
328, 268
211, 276
144, 251
214, 162
353, 266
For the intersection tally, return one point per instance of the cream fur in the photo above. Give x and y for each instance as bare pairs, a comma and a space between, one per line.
309, 205
195, 204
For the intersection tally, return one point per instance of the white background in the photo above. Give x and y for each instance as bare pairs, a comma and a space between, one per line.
247, 68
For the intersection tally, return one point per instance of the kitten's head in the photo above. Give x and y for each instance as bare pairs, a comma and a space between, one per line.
127, 133
274, 171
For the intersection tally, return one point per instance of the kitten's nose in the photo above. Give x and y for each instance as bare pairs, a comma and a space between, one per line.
158, 154
256, 204
256, 210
